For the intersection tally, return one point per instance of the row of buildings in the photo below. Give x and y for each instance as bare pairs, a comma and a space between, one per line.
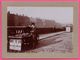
18, 20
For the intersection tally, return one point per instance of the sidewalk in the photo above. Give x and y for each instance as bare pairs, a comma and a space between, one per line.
43, 36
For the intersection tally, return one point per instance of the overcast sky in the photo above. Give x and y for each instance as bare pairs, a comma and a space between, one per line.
59, 14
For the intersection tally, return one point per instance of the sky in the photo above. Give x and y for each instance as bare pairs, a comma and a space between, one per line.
62, 15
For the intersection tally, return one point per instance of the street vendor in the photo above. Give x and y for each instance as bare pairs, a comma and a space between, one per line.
34, 33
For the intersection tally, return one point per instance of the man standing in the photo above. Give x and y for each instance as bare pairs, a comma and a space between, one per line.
34, 34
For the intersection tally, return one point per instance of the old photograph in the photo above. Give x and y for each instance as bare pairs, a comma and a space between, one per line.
39, 29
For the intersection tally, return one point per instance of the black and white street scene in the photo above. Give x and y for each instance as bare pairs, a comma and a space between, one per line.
39, 29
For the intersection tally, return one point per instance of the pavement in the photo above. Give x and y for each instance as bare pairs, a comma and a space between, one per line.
43, 36
57, 42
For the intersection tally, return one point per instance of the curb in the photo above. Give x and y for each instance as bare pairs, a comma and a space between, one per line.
51, 36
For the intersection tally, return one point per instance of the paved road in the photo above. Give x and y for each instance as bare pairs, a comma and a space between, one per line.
58, 43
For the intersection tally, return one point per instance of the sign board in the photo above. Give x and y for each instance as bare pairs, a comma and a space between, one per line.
15, 44
68, 29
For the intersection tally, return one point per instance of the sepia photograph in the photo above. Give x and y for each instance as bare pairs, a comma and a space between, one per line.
40, 30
